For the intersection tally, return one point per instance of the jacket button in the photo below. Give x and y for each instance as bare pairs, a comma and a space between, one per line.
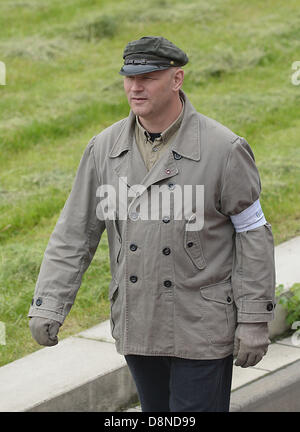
228, 299
133, 247
39, 301
167, 283
190, 244
269, 307
177, 156
166, 219
171, 186
166, 251
133, 279
134, 216
167, 171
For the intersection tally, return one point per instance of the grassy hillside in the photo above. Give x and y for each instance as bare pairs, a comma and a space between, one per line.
63, 87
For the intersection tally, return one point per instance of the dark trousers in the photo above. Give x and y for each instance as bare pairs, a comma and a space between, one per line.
173, 384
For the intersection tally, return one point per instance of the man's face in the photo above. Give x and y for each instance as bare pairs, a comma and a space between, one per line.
148, 94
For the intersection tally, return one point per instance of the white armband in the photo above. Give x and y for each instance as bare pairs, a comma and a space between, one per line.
250, 218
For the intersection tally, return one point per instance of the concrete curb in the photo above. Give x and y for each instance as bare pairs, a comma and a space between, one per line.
109, 392
276, 392
85, 372
81, 373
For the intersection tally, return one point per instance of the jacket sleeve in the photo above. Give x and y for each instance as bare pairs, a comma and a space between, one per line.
72, 245
253, 271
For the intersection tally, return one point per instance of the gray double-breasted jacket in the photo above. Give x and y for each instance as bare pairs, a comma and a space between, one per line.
176, 289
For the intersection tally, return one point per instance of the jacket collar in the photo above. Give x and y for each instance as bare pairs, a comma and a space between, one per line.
186, 143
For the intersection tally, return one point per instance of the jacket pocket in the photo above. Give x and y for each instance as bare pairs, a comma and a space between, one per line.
193, 247
219, 312
115, 309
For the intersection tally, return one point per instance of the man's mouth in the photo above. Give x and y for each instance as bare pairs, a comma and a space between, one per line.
138, 99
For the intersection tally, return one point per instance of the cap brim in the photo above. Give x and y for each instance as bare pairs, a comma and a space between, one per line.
130, 70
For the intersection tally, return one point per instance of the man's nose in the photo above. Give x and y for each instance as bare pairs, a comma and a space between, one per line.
136, 85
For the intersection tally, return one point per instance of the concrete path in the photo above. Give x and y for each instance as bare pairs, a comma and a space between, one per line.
85, 373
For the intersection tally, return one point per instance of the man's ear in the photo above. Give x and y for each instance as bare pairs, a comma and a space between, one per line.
178, 76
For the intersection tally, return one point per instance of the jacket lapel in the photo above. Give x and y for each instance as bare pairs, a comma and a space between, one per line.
129, 163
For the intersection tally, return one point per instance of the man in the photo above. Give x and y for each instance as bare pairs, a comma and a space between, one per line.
192, 256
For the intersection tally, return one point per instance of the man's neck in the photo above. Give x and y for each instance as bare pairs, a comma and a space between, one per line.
161, 123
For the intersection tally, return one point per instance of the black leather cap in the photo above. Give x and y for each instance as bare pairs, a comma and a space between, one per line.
150, 54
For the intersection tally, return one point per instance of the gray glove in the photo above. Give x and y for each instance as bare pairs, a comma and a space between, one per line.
44, 330
251, 343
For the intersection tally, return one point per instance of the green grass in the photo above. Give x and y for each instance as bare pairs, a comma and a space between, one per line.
63, 87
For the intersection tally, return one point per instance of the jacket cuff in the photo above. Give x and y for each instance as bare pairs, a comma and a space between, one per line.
46, 307
256, 311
